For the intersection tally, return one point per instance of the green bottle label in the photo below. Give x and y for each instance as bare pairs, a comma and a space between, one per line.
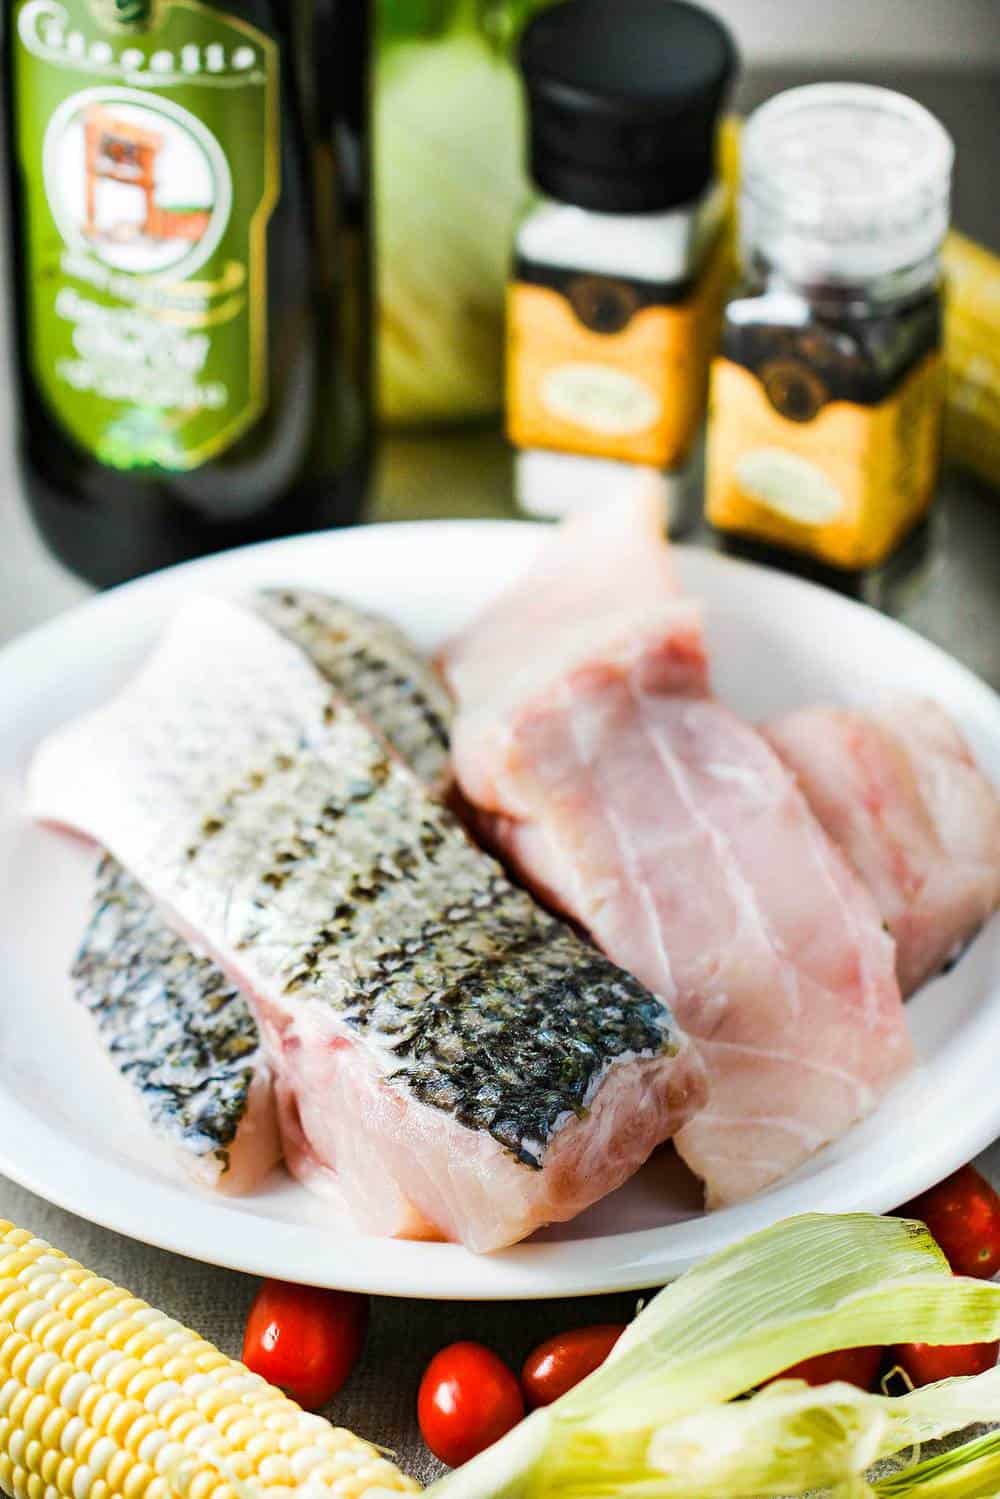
147, 135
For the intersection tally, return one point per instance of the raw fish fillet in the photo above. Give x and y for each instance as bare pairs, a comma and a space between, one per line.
601, 601
179, 1033
671, 832
898, 790
452, 1060
683, 842
373, 666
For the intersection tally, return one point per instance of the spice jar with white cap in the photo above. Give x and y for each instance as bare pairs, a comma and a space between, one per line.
826, 397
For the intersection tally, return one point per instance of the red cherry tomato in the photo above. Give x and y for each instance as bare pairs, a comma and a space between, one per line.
305, 1341
468, 1400
857, 1366
926, 1363
963, 1214
558, 1364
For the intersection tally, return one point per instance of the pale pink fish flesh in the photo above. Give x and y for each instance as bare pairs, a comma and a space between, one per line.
897, 788
600, 600
669, 830
682, 841
452, 1062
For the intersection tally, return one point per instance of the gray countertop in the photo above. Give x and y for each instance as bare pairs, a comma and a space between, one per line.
948, 589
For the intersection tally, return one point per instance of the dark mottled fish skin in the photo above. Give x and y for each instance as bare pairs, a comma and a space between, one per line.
374, 667
182, 1036
492, 1010
173, 1025
574, 1018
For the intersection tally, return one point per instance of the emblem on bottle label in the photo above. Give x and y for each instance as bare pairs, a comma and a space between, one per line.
148, 147
125, 14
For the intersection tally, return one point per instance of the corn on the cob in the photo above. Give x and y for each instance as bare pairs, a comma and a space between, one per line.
101, 1397
972, 350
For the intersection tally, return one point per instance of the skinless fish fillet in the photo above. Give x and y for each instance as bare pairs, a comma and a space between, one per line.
457, 1062
671, 832
898, 790
601, 603
734, 906
179, 1032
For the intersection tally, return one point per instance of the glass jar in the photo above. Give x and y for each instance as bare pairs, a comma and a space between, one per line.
827, 394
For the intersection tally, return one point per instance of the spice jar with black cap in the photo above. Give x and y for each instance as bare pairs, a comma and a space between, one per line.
826, 404
620, 265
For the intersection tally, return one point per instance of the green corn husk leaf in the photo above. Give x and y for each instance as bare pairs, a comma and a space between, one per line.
810, 1285
971, 1471
790, 1437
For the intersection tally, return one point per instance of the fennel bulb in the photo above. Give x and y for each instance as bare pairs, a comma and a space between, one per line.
449, 181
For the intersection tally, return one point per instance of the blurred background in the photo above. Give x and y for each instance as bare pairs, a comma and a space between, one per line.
447, 139
920, 32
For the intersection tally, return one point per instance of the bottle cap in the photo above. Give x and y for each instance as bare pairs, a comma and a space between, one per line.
623, 97
844, 183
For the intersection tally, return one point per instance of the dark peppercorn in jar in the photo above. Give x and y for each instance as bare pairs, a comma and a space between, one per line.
825, 412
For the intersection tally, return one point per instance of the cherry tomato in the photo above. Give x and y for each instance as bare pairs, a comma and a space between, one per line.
305, 1341
926, 1363
963, 1214
857, 1366
558, 1364
468, 1400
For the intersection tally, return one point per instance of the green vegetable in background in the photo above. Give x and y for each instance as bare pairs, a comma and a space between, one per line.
657, 1420
449, 182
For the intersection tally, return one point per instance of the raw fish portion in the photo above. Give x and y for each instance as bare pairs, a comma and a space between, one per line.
177, 1030
373, 666
456, 1062
601, 601
181, 1035
670, 830
898, 790
667, 828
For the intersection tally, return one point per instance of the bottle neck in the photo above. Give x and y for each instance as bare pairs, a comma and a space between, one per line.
842, 297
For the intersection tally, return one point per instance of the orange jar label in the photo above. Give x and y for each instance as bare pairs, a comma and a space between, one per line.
840, 479
611, 367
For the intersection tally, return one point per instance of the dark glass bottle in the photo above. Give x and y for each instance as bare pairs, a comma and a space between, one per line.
188, 211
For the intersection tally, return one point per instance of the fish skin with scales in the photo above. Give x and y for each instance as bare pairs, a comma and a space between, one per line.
375, 667
181, 1035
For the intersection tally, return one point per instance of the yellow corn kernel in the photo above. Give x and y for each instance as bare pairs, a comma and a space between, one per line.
972, 348
103, 1398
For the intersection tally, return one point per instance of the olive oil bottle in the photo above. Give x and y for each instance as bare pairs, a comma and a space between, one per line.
188, 224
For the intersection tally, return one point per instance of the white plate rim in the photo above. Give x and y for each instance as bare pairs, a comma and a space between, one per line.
202, 1228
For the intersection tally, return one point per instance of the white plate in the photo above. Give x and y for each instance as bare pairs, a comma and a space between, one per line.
67, 1130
